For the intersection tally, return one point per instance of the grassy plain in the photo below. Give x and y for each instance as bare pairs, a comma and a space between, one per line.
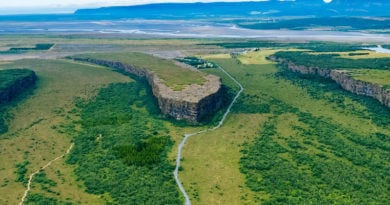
381, 77
211, 157
174, 76
38, 132
213, 170
258, 57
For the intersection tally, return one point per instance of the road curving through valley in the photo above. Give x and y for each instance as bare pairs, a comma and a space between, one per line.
187, 136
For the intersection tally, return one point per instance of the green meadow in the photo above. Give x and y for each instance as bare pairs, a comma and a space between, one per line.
40, 129
289, 139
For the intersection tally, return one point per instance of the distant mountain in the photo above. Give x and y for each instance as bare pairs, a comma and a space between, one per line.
272, 8
340, 15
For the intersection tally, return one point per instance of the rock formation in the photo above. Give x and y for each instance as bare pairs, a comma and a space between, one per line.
344, 79
26, 80
191, 104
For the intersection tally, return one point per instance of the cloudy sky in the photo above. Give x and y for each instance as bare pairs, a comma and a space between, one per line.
66, 6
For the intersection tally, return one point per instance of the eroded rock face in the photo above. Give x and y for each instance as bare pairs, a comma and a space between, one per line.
303, 69
344, 79
359, 87
17, 87
191, 104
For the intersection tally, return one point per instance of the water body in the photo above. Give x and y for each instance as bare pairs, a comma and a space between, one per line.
179, 29
378, 49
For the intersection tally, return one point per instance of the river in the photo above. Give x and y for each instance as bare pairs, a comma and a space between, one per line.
378, 49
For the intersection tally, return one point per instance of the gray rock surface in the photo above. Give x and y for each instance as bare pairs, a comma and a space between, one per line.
344, 79
191, 104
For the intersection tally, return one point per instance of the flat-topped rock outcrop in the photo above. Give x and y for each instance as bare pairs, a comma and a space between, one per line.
344, 79
192, 102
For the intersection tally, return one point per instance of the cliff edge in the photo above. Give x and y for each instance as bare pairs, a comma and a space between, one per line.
191, 103
15, 81
344, 79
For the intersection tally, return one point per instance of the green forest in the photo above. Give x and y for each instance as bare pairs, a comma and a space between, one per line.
336, 23
11, 77
315, 160
197, 62
37, 47
332, 61
316, 46
121, 152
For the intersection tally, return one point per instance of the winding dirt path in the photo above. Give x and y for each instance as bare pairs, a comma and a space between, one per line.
187, 136
36, 172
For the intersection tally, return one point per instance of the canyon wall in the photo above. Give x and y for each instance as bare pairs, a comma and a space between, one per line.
191, 104
344, 79
10, 91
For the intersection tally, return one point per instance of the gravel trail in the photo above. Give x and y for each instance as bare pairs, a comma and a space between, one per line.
187, 136
40, 169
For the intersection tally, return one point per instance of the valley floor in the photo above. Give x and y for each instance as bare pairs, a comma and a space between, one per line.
289, 139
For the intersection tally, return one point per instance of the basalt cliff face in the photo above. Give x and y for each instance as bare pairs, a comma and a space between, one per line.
191, 104
344, 79
17, 87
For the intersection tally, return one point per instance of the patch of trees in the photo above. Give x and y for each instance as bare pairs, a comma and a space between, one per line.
332, 61
314, 46
145, 152
45, 183
247, 103
38, 47
326, 89
358, 54
197, 62
13, 82
334, 23
21, 171
39, 199
319, 162
122, 148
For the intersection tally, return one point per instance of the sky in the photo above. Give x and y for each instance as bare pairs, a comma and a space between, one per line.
68, 6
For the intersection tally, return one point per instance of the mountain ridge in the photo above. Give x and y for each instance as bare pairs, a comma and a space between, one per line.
246, 9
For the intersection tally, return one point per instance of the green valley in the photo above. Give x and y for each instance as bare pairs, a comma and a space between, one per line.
290, 138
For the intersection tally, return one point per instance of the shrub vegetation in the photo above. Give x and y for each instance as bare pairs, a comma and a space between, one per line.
122, 150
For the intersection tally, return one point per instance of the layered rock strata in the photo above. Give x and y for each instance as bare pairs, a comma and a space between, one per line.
347, 82
191, 104
344, 79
